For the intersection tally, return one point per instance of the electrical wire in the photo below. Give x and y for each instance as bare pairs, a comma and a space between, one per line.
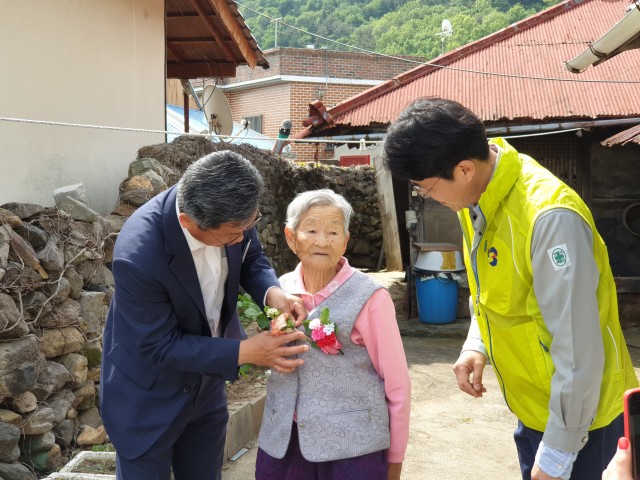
409, 60
232, 138
167, 132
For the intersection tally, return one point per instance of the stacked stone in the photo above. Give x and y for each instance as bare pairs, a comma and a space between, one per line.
159, 166
54, 292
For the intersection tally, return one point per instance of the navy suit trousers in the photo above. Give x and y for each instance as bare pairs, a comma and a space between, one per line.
592, 459
194, 444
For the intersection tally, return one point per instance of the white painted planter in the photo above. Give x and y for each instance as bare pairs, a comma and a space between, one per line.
73, 469
244, 425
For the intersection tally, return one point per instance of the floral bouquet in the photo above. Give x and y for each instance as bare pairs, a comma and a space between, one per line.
323, 333
281, 323
320, 332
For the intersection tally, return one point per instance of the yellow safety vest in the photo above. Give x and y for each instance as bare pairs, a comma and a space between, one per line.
501, 283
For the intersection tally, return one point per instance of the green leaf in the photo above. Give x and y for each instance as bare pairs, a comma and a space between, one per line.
248, 311
324, 315
244, 369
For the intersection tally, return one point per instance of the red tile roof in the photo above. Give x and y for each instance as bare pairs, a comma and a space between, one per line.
535, 47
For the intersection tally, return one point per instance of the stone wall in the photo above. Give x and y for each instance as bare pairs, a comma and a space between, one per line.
54, 292
55, 288
159, 166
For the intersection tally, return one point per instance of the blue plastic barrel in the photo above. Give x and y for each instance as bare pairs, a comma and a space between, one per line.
437, 299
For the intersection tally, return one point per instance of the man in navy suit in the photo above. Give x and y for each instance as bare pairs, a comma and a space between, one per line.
172, 336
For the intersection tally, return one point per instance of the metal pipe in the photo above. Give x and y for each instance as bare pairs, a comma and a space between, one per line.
356, 137
549, 127
507, 129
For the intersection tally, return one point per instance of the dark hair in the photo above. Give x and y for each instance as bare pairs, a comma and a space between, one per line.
430, 137
222, 187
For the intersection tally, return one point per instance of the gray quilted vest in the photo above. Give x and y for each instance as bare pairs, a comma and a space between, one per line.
339, 399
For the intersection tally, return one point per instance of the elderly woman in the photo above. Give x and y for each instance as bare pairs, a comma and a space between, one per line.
344, 414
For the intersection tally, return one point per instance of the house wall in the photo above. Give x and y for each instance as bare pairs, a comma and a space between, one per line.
272, 102
299, 76
90, 62
288, 101
175, 96
302, 94
321, 62
615, 186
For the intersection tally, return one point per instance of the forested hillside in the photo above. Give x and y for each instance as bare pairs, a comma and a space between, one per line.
394, 27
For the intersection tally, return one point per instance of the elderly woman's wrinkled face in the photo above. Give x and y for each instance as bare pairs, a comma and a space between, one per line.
320, 239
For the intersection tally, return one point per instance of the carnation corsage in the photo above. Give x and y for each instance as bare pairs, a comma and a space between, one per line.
324, 332
320, 332
281, 323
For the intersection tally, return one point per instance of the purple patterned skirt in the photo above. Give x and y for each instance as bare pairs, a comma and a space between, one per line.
293, 466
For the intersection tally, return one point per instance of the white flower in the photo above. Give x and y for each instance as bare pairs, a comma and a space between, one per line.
328, 329
315, 323
272, 312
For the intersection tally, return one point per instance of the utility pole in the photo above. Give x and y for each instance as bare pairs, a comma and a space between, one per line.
275, 20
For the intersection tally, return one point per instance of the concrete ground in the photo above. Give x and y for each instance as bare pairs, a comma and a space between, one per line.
452, 436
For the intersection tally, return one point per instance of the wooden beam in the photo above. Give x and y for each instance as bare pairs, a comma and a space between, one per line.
201, 69
185, 108
213, 29
178, 58
189, 40
177, 15
231, 22
390, 235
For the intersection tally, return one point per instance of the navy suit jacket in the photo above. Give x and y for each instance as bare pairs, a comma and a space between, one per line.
157, 342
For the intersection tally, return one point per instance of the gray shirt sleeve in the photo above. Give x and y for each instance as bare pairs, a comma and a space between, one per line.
474, 338
565, 279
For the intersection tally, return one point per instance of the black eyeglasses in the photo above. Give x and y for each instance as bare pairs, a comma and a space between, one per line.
421, 191
240, 234
254, 223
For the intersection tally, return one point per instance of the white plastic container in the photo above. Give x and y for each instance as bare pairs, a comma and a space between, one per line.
438, 261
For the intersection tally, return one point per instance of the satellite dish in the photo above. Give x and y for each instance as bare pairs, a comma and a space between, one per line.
447, 31
217, 111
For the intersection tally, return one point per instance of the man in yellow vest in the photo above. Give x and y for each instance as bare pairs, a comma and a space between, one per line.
543, 301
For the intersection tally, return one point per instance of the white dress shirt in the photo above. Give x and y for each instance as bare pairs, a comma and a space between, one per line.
212, 269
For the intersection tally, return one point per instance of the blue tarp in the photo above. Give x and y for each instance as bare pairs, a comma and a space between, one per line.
199, 124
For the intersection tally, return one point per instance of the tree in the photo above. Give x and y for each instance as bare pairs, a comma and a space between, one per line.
394, 27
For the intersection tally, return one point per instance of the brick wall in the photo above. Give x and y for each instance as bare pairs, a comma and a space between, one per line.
304, 93
309, 62
272, 102
290, 100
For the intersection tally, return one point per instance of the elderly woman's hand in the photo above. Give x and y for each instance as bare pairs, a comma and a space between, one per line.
285, 302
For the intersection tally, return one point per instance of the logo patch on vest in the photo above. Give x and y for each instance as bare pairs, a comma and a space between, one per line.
559, 256
493, 256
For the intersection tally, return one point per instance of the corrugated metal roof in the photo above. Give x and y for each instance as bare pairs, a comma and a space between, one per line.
630, 135
535, 47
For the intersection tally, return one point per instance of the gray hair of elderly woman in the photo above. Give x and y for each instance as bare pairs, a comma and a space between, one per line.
304, 201
222, 187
